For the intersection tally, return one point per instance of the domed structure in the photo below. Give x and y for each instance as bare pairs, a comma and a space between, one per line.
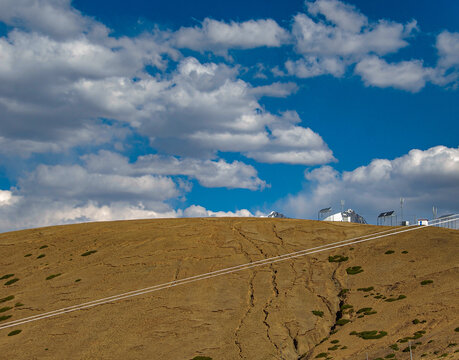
348, 216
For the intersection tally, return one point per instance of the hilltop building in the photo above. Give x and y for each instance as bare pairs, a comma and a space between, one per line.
347, 216
275, 214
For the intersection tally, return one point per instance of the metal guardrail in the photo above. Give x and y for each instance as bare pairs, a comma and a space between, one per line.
447, 221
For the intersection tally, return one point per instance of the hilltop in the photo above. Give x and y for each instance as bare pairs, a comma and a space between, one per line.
372, 297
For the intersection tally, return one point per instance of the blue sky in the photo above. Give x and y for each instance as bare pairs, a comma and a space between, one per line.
120, 110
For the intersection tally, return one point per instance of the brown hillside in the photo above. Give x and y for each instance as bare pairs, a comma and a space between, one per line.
260, 313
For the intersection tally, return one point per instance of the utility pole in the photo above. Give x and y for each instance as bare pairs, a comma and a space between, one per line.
402, 200
411, 354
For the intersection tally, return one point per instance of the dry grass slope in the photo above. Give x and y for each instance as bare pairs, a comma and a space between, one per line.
407, 291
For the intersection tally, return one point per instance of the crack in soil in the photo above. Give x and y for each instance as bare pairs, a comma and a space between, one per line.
274, 287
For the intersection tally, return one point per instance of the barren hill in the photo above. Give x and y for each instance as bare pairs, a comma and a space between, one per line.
372, 297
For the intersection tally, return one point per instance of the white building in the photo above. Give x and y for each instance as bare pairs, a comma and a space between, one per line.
347, 216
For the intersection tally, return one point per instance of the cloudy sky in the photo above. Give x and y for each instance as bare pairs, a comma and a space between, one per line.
141, 109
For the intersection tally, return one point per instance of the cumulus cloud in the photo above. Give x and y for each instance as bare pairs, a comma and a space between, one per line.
209, 173
423, 177
406, 75
108, 187
201, 109
56, 18
40, 81
218, 36
448, 49
76, 182
43, 212
311, 66
58, 89
334, 35
199, 211
345, 16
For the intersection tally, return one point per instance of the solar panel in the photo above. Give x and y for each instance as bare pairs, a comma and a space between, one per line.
386, 213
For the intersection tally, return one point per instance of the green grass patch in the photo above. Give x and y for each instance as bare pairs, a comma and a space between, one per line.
41, 256
321, 355
404, 252
333, 348
389, 356
407, 349
391, 299
87, 253
7, 276
337, 258
388, 252
343, 292
371, 288
27, 255
43, 247
18, 304
14, 332
6, 308
369, 335
426, 282
12, 281
201, 358
318, 313
342, 322
416, 335
364, 310
77, 280
5, 317
53, 276
456, 329
334, 341
354, 270
346, 306
394, 347
417, 321
8, 298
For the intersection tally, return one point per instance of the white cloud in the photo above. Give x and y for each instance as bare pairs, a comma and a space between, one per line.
7, 198
219, 36
89, 135
345, 16
209, 173
335, 35
76, 182
311, 66
199, 110
276, 89
293, 145
57, 88
199, 211
423, 178
448, 49
56, 18
317, 38
45, 212
406, 75
25, 213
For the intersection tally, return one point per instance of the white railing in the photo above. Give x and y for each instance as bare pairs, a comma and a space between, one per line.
448, 221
